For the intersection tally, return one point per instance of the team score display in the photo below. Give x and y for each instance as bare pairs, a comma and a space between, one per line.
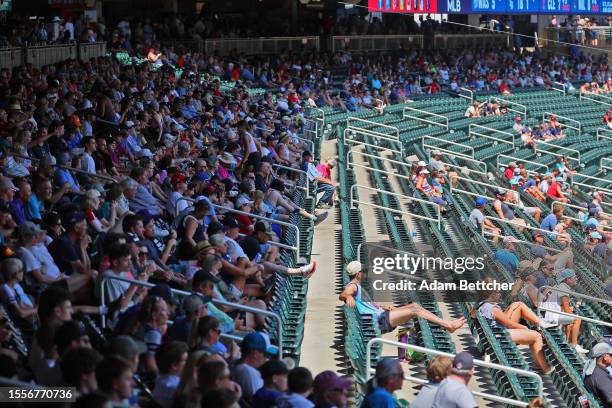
15, 394
558, 5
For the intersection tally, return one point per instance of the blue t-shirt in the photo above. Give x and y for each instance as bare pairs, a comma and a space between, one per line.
33, 207
549, 222
266, 398
508, 259
380, 398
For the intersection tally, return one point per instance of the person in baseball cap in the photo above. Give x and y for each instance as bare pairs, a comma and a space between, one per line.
453, 390
330, 389
595, 373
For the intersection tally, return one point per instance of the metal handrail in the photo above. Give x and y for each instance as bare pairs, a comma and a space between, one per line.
316, 125
539, 143
349, 163
322, 118
604, 130
424, 350
578, 295
522, 161
546, 232
522, 241
307, 188
604, 189
507, 102
470, 148
368, 132
497, 139
357, 142
575, 316
408, 108
592, 99
579, 128
370, 122
471, 97
456, 156
459, 190
563, 90
422, 217
602, 166
294, 248
215, 301
365, 132
399, 251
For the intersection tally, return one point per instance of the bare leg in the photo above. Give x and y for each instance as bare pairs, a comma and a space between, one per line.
518, 310
534, 340
404, 313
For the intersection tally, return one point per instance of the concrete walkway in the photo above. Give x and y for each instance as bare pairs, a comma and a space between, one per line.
318, 351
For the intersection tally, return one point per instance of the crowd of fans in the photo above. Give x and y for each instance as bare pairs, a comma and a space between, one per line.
113, 173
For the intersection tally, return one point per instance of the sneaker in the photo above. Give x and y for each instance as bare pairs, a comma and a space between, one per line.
308, 269
546, 325
320, 218
580, 349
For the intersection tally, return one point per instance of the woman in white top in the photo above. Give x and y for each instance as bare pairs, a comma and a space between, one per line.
12, 294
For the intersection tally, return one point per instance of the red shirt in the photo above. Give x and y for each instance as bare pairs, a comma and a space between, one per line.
509, 173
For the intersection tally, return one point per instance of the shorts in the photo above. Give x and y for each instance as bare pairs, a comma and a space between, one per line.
384, 324
531, 210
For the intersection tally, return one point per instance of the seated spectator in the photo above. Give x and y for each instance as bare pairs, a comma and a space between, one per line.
389, 377
525, 286
388, 318
12, 295
170, 358
506, 256
429, 191
253, 356
596, 373
510, 319
114, 375
453, 390
325, 185
330, 390
194, 308
79, 369
300, 386
437, 370
503, 210
274, 374
562, 301
69, 250
479, 221
437, 165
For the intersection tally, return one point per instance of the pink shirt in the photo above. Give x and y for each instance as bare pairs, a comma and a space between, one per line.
324, 170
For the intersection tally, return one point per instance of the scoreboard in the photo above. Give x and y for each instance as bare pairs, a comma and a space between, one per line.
493, 6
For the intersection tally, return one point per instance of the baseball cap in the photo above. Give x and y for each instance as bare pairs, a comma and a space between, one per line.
512, 164
145, 153
424, 171
262, 226
178, 177
273, 367
480, 201
126, 346
229, 222
93, 193
353, 268
421, 163
7, 184
565, 274
329, 380
255, 341
500, 191
29, 229
595, 235
601, 349
463, 361
537, 233
435, 153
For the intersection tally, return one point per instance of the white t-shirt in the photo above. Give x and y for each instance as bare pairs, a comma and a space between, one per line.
49, 267
172, 203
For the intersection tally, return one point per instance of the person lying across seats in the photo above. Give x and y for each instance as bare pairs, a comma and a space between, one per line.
388, 317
